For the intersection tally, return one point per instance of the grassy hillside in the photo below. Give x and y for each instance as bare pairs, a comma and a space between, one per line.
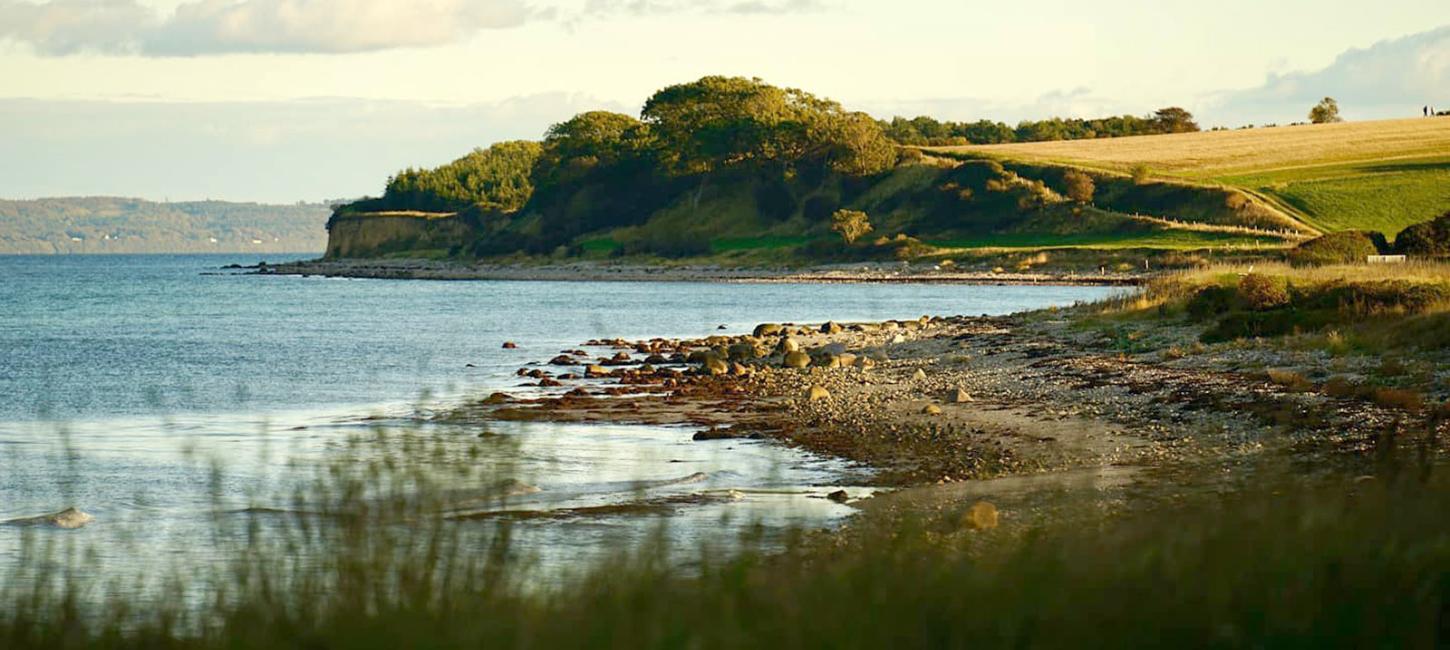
124, 225
1382, 175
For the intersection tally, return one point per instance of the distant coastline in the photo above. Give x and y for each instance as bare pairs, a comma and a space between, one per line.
870, 272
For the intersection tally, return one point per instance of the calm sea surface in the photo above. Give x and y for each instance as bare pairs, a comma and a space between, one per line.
126, 379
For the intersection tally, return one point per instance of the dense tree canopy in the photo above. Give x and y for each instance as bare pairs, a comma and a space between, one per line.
588, 142
722, 122
497, 177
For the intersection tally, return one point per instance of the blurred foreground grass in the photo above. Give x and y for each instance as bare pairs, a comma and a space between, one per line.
366, 555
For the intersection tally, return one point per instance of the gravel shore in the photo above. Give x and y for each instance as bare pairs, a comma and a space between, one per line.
943, 400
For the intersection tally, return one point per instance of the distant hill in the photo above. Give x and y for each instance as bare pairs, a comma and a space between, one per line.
1381, 175
104, 224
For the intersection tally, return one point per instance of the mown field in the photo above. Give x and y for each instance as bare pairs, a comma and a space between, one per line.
1382, 175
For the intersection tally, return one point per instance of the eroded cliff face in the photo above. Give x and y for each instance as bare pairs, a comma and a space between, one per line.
381, 234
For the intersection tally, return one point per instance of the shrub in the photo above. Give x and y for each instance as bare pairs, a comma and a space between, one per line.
850, 224
1141, 174
1431, 238
1290, 380
1348, 247
1080, 186
1260, 292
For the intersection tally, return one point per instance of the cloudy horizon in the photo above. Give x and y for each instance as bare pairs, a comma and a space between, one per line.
286, 100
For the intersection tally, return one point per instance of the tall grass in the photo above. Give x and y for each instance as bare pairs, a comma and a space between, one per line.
367, 556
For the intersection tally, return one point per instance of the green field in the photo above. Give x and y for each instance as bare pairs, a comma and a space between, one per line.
1386, 196
1381, 175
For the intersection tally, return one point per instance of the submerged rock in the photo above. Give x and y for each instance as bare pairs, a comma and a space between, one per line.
510, 345
70, 518
981, 516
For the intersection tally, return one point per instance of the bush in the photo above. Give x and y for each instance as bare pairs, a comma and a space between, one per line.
1348, 247
1260, 292
1141, 174
1431, 238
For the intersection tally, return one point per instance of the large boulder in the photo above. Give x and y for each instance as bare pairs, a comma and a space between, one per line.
787, 345
745, 351
715, 366
767, 329
796, 359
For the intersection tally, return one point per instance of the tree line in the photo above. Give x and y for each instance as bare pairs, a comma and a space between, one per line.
686, 131
927, 131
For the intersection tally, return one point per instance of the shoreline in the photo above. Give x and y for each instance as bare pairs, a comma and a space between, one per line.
948, 400
861, 273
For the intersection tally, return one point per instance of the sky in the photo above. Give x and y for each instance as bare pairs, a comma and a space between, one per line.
287, 100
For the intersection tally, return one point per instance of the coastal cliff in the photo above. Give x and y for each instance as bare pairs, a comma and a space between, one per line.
362, 235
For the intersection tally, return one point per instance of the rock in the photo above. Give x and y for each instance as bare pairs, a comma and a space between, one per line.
620, 357
656, 360
796, 359
865, 363
919, 375
512, 487
767, 329
890, 325
960, 396
817, 392
839, 496
826, 360
563, 360
510, 345
739, 369
727, 433
549, 382
831, 327
898, 339
721, 327
931, 409
715, 366
847, 359
498, 398
70, 518
787, 345
981, 516
699, 356
745, 352
596, 371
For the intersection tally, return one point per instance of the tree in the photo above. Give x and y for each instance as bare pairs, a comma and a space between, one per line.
1080, 186
723, 122
1325, 112
851, 224
1141, 174
1174, 120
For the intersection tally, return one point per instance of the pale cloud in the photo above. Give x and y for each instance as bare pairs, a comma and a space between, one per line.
201, 27
1392, 78
62, 27
657, 7
205, 27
